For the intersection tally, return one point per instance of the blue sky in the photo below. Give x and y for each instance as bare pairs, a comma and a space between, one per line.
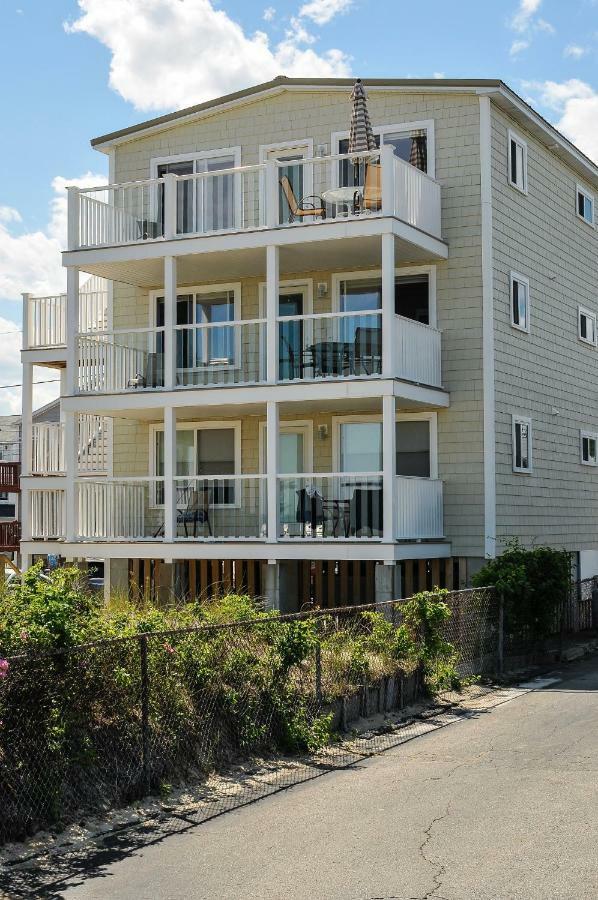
73, 69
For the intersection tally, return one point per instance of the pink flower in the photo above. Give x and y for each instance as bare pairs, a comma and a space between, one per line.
169, 648
4, 667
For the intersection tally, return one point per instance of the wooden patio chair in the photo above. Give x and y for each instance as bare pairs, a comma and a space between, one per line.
308, 206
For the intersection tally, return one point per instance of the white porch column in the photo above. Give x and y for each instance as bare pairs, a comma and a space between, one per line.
170, 294
272, 279
25, 316
387, 182
389, 367
272, 422
389, 465
272, 583
72, 328
72, 217
26, 418
169, 474
71, 446
26, 449
170, 206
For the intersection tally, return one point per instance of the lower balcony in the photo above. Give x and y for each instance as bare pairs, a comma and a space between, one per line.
330, 507
337, 346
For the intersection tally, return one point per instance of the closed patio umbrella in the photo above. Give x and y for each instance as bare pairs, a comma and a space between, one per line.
418, 155
361, 135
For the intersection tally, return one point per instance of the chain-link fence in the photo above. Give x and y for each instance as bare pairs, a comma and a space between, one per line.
97, 726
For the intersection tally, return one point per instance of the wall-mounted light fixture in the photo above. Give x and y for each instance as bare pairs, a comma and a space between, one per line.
322, 432
322, 289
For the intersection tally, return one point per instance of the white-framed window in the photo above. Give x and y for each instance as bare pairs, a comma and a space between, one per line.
586, 326
203, 204
217, 346
415, 292
517, 153
413, 142
202, 449
519, 302
522, 444
588, 448
357, 444
585, 205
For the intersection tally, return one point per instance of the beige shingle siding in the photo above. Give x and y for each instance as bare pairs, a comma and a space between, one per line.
540, 236
298, 115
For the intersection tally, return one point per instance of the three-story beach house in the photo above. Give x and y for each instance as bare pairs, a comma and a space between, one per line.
318, 377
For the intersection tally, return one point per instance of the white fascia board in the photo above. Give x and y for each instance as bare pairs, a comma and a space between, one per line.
336, 550
304, 392
44, 356
283, 236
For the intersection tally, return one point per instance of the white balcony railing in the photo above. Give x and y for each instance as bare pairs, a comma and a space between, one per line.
337, 506
46, 321
419, 508
47, 514
119, 509
221, 354
315, 506
418, 352
120, 360
330, 345
417, 198
46, 317
47, 446
221, 508
244, 198
326, 345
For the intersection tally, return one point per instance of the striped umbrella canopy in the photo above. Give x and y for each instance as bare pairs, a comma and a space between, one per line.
361, 135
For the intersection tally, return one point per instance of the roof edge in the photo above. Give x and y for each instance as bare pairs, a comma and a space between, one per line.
281, 82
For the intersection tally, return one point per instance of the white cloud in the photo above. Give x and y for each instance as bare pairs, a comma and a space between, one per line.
576, 103
30, 260
543, 25
322, 11
522, 18
269, 14
518, 47
575, 51
9, 214
168, 53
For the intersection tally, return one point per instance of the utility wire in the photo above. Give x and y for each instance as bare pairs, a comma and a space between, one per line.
49, 381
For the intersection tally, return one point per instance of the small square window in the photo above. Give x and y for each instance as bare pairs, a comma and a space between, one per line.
517, 162
587, 326
589, 448
519, 302
585, 205
522, 444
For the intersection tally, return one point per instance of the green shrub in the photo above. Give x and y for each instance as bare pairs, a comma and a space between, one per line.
533, 584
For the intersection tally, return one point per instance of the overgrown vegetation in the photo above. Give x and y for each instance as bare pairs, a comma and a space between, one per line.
534, 584
224, 680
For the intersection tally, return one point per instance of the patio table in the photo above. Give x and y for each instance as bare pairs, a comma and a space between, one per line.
342, 197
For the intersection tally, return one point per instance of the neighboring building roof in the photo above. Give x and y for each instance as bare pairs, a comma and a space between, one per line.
48, 413
506, 98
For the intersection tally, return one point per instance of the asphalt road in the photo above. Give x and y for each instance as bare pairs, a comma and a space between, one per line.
501, 805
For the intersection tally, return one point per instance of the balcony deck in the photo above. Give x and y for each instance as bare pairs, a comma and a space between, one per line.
118, 230
313, 508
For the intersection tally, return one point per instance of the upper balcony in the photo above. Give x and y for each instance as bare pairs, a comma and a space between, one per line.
329, 192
